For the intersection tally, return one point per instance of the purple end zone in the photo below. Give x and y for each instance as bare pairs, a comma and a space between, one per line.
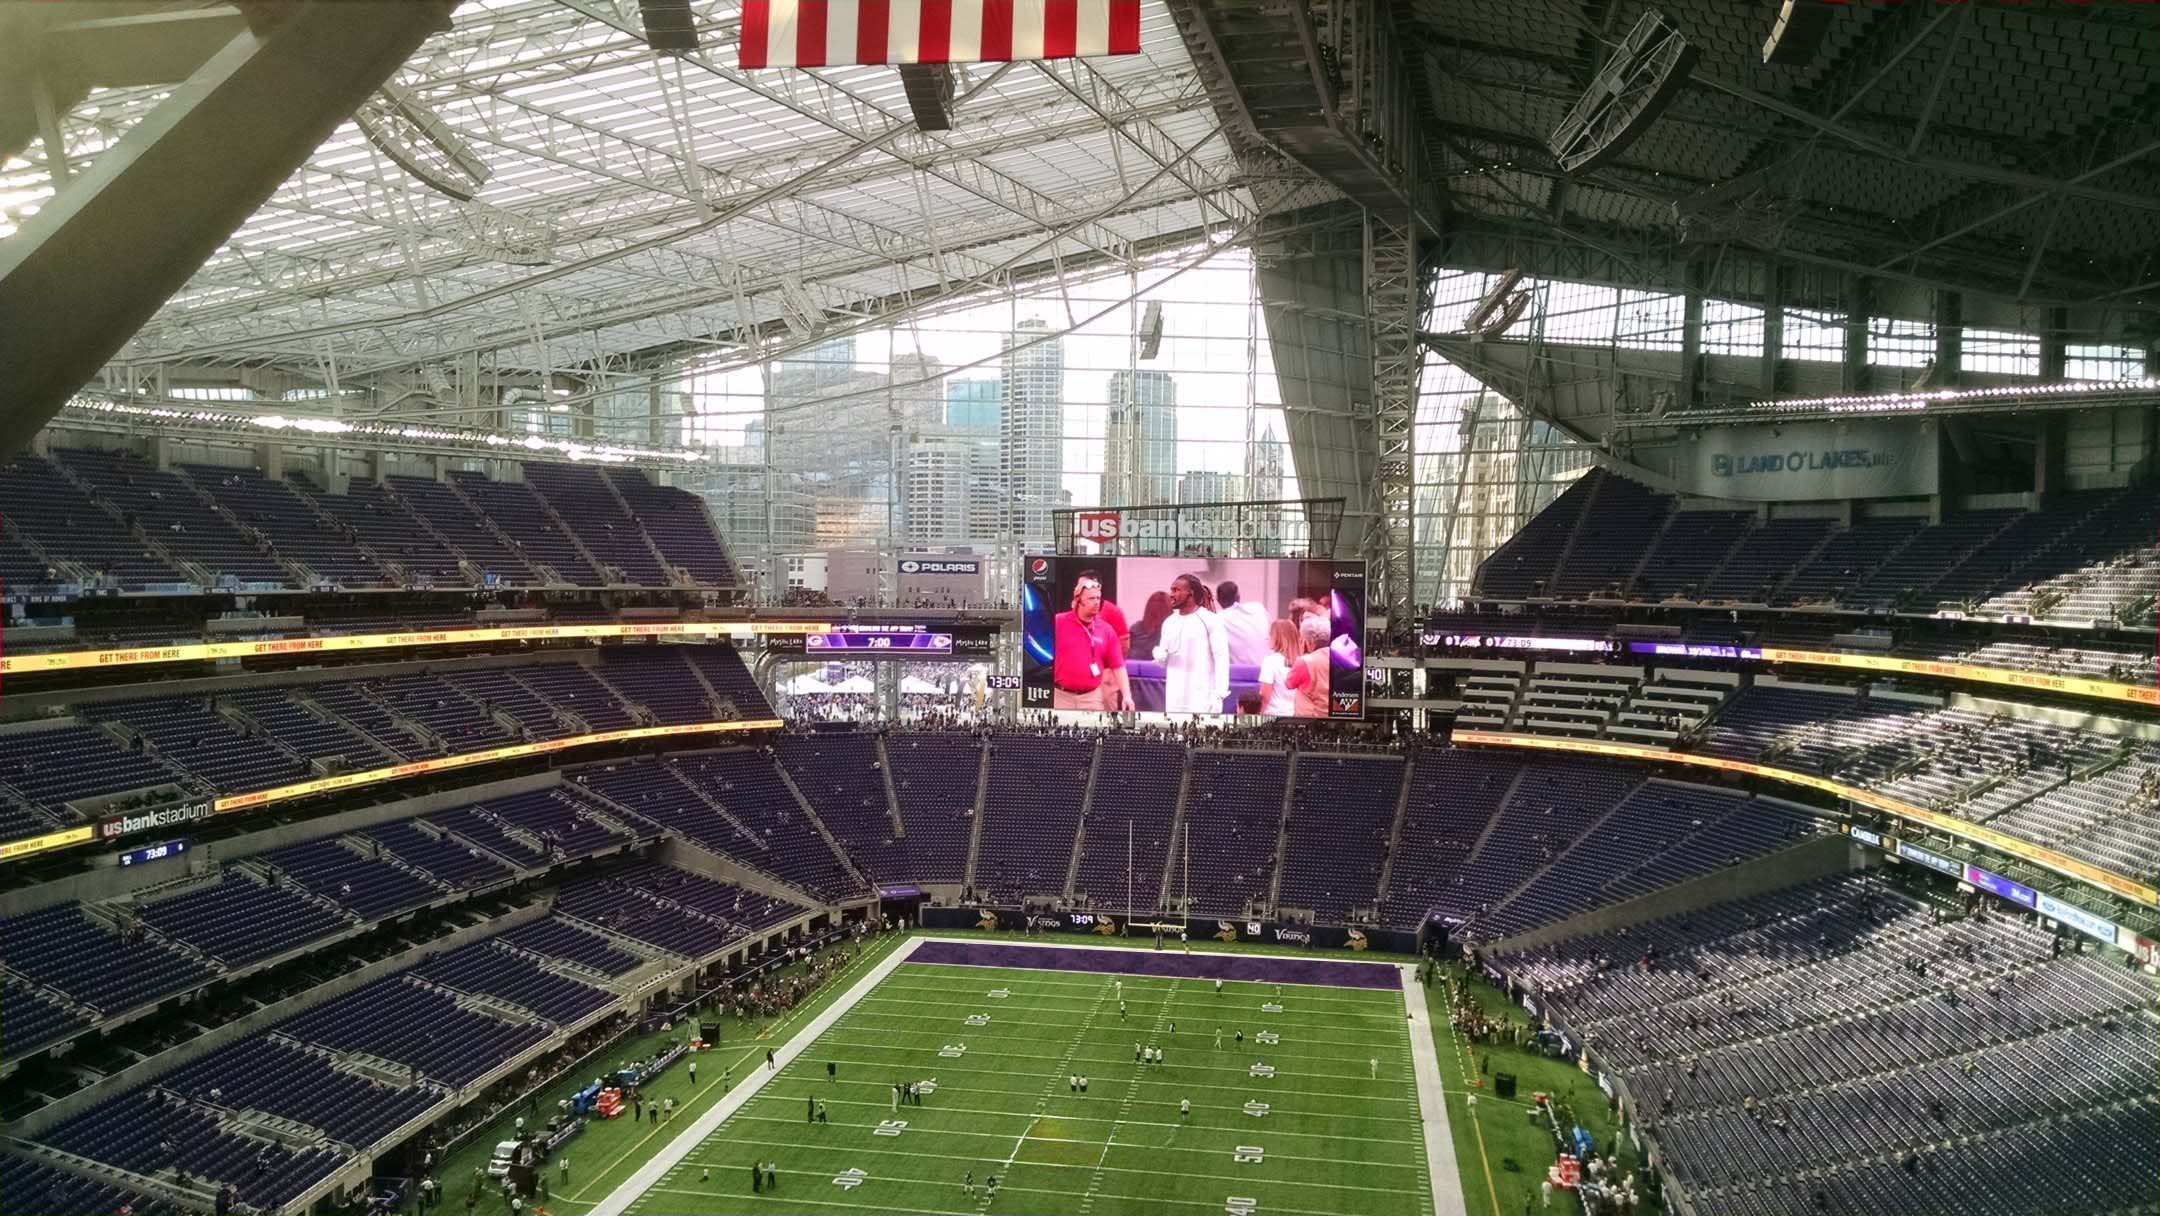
1263, 968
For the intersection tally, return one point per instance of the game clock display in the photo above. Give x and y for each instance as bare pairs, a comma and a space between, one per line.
869, 643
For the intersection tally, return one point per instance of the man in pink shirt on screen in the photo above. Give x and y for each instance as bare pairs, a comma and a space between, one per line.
1087, 659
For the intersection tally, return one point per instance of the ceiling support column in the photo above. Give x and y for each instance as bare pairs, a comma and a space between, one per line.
1395, 294
91, 268
1855, 372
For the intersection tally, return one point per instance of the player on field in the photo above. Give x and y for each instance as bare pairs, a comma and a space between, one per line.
1218, 1038
1184, 1109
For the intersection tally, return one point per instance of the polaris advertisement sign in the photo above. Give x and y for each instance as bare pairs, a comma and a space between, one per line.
1812, 461
941, 565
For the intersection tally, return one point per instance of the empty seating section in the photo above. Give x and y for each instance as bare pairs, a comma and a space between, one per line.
263, 1074
188, 733
169, 512
1848, 558
313, 736
723, 668
1932, 553
499, 694
1764, 558
365, 714
678, 525
456, 720
1828, 1039
381, 523
56, 765
583, 500
62, 948
464, 530
660, 679
517, 511
2081, 557
748, 787
20, 569
484, 969
1669, 832
570, 687
1692, 546
33, 1020
417, 1026
276, 512
1453, 794
1031, 812
41, 504
477, 826
561, 822
1525, 565
352, 877
1136, 796
673, 910
1341, 816
161, 1135
660, 794
453, 865
1488, 698
1233, 817
38, 1186
1549, 807
839, 772
1609, 542
1574, 701
557, 938
935, 779
241, 920
1672, 703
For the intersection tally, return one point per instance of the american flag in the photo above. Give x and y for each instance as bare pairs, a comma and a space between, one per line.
827, 33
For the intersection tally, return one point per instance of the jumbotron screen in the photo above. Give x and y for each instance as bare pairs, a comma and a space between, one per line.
1186, 635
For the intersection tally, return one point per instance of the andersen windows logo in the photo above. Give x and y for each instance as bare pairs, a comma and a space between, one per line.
1802, 461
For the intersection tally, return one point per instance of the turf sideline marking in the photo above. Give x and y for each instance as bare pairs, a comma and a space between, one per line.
1447, 1192
648, 1176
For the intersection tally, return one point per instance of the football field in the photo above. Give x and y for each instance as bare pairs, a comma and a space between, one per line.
1315, 1113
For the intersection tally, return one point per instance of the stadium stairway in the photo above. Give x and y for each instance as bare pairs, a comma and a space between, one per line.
1178, 843
1395, 830
1087, 810
975, 820
1282, 835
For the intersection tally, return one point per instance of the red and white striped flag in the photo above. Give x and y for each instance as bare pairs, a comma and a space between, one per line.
828, 33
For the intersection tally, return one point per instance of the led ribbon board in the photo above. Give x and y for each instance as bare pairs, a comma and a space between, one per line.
76, 660
2061, 863
121, 825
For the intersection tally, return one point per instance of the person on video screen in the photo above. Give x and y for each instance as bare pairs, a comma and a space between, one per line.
1244, 623
1309, 675
1087, 660
1194, 651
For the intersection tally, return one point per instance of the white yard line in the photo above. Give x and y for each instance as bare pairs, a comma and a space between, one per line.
1447, 1192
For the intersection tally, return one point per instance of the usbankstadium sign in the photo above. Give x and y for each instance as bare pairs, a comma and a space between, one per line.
1813, 461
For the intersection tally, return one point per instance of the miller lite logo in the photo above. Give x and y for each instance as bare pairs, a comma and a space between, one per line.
1097, 525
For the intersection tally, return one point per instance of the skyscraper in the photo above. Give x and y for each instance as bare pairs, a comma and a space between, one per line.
974, 404
1031, 433
1140, 440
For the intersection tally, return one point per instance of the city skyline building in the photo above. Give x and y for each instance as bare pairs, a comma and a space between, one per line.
1140, 440
1031, 432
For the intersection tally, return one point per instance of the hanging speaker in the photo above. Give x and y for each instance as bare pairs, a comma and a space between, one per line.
1629, 92
1151, 330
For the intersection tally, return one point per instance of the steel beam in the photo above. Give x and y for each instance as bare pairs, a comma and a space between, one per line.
1396, 293
99, 259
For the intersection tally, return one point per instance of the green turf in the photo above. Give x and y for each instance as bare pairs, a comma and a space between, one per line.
1334, 1139
1490, 1132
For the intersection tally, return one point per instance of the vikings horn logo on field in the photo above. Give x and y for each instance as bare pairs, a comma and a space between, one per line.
1357, 940
1107, 927
1225, 931
989, 920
